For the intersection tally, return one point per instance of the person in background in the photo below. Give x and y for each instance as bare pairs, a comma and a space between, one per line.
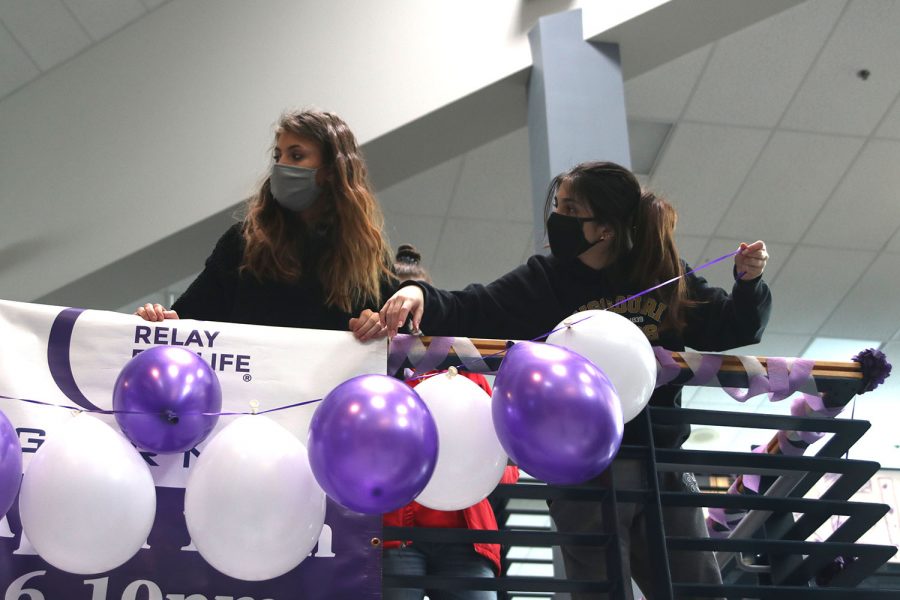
310, 251
609, 240
431, 558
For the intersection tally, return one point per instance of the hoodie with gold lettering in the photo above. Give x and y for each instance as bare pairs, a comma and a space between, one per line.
532, 299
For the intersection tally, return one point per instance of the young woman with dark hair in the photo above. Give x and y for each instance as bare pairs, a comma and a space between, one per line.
608, 240
310, 251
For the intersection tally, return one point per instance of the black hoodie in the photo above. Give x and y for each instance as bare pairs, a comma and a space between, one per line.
535, 297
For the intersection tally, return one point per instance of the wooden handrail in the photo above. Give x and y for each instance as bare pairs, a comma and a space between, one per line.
730, 363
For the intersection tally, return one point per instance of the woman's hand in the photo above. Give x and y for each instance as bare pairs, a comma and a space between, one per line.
750, 262
155, 312
367, 326
409, 300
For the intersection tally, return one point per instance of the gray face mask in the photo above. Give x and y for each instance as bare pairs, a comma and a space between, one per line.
294, 188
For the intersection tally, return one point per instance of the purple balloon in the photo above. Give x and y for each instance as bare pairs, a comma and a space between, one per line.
556, 413
164, 391
372, 444
10, 464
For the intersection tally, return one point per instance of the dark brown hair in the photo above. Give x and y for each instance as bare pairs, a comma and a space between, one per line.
407, 264
644, 226
357, 256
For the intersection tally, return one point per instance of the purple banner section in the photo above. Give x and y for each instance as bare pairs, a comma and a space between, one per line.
343, 566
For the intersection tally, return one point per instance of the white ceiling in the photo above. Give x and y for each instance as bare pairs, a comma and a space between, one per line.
37, 35
775, 137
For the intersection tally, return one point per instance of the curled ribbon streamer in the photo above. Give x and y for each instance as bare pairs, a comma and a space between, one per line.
401, 347
435, 354
704, 366
410, 348
789, 375
668, 369
789, 443
469, 355
758, 383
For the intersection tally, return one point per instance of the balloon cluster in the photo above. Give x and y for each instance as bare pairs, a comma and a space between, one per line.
255, 498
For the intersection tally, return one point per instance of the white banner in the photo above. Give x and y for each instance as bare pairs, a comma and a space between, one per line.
72, 357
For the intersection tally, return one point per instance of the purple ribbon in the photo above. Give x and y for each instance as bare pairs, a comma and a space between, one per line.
100, 411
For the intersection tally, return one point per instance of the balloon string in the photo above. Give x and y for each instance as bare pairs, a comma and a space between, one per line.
619, 303
101, 411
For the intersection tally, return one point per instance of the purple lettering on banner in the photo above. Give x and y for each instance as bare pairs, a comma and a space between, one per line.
243, 363
161, 335
211, 337
142, 334
58, 360
350, 569
225, 360
175, 341
194, 339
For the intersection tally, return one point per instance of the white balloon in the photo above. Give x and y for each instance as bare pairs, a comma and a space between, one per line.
87, 501
619, 348
253, 508
470, 459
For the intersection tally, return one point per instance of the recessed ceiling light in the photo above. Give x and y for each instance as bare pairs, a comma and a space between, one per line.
704, 435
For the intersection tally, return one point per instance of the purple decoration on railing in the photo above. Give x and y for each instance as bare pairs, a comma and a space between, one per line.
409, 348
875, 368
667, 369
790, 443
705, 367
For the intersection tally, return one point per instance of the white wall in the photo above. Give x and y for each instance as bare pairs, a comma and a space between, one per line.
169, 120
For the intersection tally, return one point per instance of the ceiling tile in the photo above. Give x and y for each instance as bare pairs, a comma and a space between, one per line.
16, 69
661, 94
753, 73
476, 250
701, 170
892, 384
151, 4
690, 247
505, 160
793, 178
840, 349
833, 98
864, 212
426, 193
893, 246
870, 310
46, 29
422, 232
776, 344
890, 127
722, 274
104, 17
811, 284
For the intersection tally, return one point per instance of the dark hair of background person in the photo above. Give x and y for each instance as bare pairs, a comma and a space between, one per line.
644, 227
407, 264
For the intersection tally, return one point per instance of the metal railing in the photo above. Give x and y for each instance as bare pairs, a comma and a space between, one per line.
768, 554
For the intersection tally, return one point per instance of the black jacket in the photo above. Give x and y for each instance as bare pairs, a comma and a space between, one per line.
221, 293
535, 297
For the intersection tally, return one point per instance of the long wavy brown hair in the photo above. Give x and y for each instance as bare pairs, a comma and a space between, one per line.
644, 226
356, 256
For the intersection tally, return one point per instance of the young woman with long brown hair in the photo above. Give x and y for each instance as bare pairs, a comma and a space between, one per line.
310, 252
609, 240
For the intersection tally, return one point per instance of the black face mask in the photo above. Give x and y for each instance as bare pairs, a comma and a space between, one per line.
567, 235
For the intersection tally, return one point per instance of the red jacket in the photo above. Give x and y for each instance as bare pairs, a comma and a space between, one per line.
478, 516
